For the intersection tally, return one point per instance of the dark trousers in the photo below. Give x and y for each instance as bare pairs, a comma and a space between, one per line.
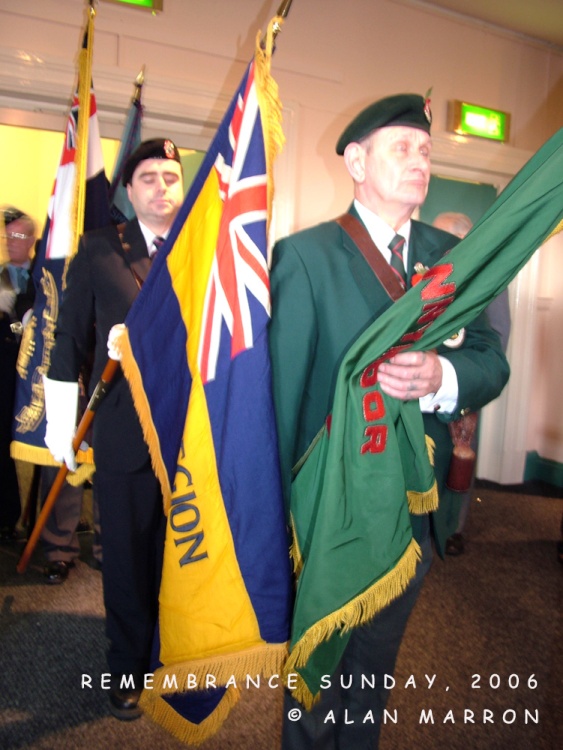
133, 527
338, 720
59, 538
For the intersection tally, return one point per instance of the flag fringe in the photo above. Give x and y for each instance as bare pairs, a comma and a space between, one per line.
423, 502
558, 228
295, 550
157, 709
42, 457
356, 612
132, 373
270, 105
267, 660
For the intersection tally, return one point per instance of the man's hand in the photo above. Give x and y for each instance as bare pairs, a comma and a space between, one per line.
410, 375
115, 334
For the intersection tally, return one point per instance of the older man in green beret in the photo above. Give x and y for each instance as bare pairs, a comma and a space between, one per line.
329, 283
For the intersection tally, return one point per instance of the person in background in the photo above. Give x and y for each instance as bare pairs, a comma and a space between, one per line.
17, 293
324, 295
498, 315
103, 281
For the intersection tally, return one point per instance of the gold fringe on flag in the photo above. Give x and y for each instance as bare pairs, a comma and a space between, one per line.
133, 375
4, 256
423, 502
191, 734
266, 660
356, 612
85, 59
269, 103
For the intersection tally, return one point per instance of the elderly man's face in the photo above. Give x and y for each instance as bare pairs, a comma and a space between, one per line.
20, 238
156, 191
397, 168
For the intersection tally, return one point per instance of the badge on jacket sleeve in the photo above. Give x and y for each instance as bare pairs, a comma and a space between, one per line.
455, 341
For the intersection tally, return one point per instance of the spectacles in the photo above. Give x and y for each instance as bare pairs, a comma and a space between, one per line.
17, 236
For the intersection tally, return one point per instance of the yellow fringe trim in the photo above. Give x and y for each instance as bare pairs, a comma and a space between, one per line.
294, 549
423, 502
557, 229
133, 375
42, 457
4, 255
431, 448
356, 612
269, 103
157, 709
85, 60
267, 660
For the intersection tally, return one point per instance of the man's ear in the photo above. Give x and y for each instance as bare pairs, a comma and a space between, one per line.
354, 158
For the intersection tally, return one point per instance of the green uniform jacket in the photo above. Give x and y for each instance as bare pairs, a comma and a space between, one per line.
324, 295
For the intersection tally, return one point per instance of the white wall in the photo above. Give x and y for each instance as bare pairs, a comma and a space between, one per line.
332, 58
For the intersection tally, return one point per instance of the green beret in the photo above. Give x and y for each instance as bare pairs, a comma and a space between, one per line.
402, 109
156, 148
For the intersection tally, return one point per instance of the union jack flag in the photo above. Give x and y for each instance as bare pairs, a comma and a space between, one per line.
240, 264
195, 353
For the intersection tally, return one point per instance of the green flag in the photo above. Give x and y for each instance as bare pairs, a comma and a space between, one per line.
353, 554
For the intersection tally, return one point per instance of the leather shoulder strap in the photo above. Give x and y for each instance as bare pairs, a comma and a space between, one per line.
360, 236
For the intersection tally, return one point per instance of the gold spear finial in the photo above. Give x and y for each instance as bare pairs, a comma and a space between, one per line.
283, 10
139, 80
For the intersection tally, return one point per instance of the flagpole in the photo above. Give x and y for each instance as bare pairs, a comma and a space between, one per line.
283, 10
84, 87
100, 391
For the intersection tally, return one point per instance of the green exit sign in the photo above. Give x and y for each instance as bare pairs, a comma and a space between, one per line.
154, 5
471, 119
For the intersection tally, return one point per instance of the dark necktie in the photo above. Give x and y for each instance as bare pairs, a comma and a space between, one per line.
157, 243
22, 276
396, 246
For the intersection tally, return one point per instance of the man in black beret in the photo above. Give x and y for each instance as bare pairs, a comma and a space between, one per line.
326, 290
103, 280
17, 293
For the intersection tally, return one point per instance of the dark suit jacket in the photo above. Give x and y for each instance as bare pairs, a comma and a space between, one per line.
100, 290
324, 295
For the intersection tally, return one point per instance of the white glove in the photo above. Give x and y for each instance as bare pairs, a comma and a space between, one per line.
7, 300
114, 352
61, 404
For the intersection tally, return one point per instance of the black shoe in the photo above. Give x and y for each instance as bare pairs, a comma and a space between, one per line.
124, 704
455, 545
8, 534
56, 572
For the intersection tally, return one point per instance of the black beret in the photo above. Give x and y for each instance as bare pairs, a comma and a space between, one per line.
156, 148
12, 214
402, 109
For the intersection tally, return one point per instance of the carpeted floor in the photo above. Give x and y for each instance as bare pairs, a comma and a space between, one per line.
480, 666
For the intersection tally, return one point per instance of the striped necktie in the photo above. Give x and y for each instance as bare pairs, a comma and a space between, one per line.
396, 246
157, 243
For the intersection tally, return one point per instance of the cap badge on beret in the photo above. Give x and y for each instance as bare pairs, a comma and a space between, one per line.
169, 149
409, 110
427, 110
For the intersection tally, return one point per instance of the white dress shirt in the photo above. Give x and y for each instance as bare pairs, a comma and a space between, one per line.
445, 398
